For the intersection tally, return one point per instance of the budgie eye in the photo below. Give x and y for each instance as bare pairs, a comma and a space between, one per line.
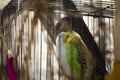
67, 36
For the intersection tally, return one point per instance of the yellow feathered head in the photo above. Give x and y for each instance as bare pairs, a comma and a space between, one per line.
70, 36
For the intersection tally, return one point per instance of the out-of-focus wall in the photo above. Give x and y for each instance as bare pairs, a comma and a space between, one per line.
117, 31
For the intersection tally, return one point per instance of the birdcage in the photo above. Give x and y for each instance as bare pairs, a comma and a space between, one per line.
30, 28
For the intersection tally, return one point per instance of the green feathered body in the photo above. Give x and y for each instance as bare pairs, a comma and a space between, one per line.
71, 58
79, 58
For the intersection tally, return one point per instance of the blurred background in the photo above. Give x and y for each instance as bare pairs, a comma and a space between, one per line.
29, 29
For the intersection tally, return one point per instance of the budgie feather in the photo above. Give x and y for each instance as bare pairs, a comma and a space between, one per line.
10, 69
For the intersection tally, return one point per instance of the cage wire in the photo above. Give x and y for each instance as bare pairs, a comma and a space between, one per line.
34, 44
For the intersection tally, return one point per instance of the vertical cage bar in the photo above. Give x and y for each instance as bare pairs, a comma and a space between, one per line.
34, 53
40, 50
102, 42
48, 63
27, 37
59, 67
99, 20
14, 47
52, 53
109, 30
1, 64
93, 27
88, 22
17, 43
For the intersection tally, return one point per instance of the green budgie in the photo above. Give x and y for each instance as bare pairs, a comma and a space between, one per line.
79, 58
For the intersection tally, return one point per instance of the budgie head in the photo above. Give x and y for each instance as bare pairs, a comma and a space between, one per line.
71, 36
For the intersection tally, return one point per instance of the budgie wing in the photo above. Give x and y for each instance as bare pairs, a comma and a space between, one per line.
85, 59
